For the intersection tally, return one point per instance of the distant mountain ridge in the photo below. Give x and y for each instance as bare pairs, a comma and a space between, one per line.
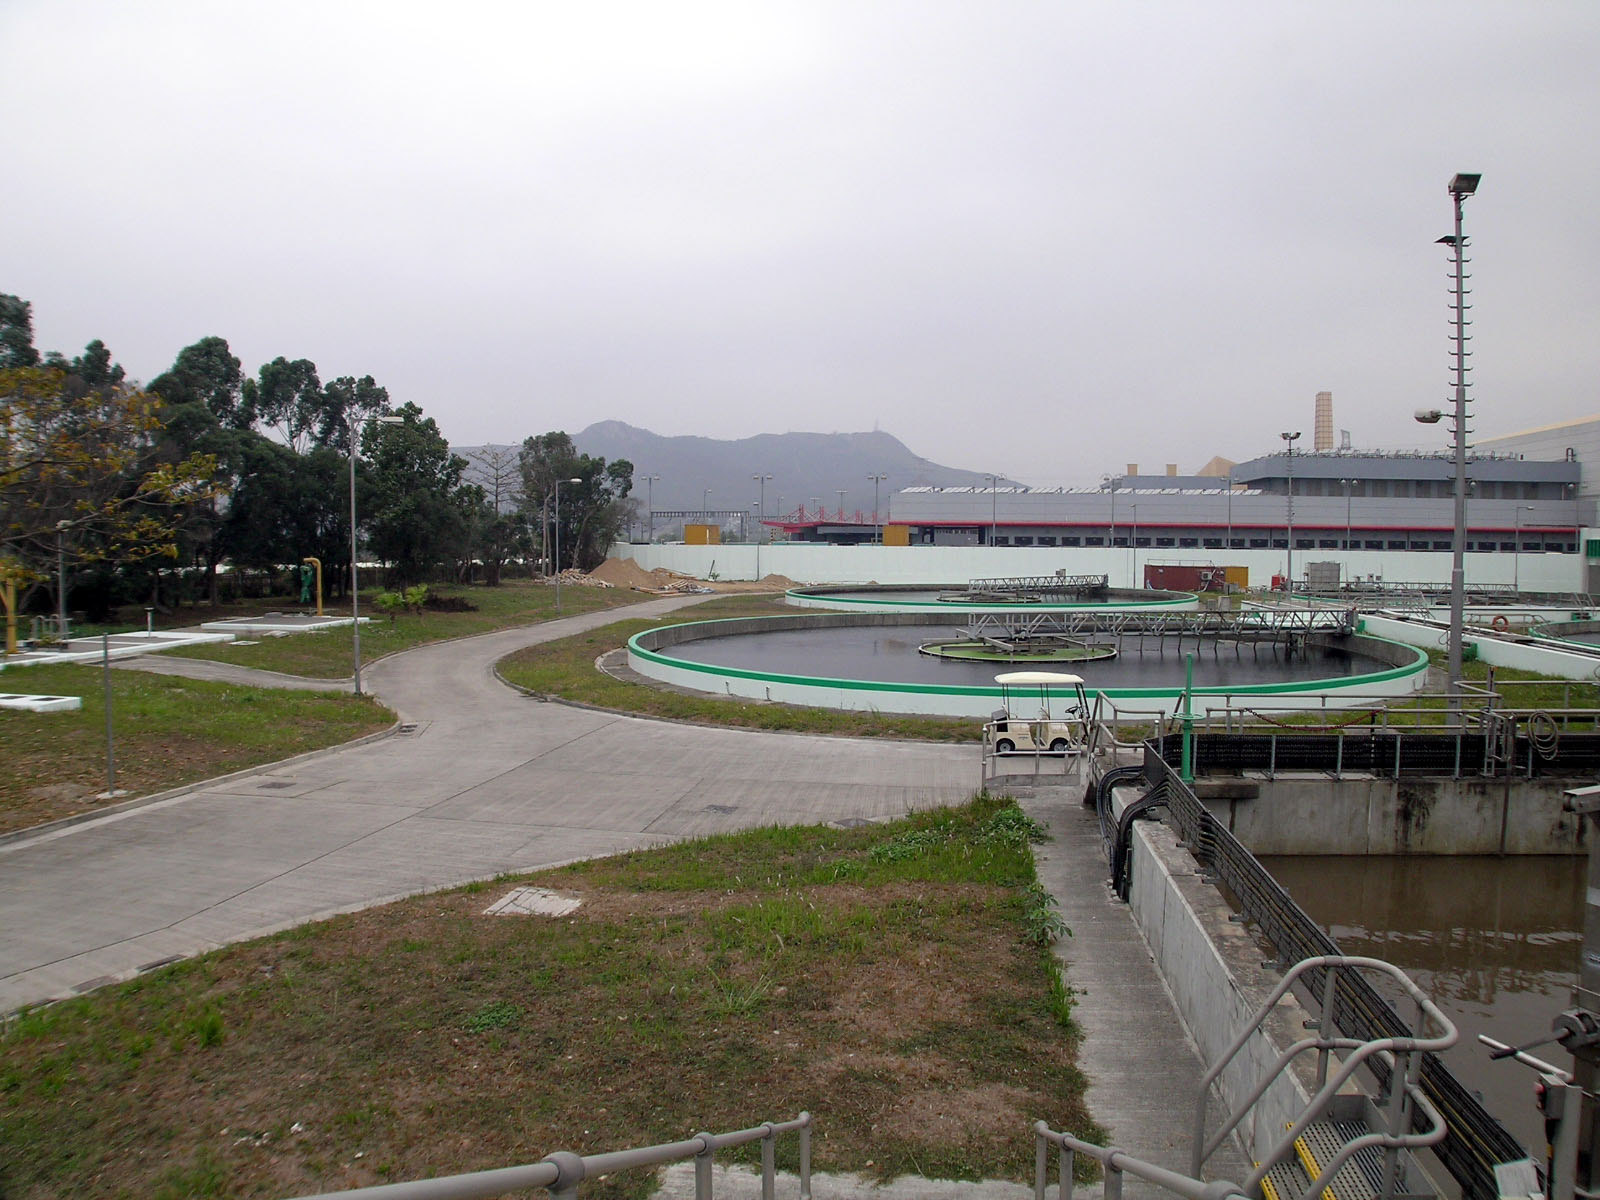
805, 467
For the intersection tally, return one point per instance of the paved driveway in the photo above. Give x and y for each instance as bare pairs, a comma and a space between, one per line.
489, 781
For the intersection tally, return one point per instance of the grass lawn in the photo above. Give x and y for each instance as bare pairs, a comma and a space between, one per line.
328, 655
168, 731
895, 980
566, 669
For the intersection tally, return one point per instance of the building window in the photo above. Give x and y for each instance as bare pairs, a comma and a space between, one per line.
1305, 544
1396, 544
1438, 545
1328, 544
1165, 541
1002, 541
1508, 547
1023, 541
1088, 541
1279, 543
1208, 543
1045, 540
1258, 543
1374, 544
1188, 541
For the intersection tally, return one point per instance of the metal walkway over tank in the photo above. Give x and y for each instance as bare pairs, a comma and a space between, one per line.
1284, 626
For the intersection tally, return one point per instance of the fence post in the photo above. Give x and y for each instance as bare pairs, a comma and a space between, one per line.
805, 1157
702, 1168
769, 1163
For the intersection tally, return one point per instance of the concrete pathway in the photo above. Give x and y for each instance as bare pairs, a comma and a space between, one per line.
488, 782
1143, 1068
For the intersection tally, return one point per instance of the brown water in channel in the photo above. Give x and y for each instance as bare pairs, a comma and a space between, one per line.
1494, 941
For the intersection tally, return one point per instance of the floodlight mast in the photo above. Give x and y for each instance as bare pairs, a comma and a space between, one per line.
1461, 186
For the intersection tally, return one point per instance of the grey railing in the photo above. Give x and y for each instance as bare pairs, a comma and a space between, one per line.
1116, 1163
561, 1173
1475, 1141
1401, 1055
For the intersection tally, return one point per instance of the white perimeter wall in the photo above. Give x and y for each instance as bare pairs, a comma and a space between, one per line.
809, 563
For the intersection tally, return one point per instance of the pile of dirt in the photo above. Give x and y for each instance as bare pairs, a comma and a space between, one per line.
576, 578
625, 573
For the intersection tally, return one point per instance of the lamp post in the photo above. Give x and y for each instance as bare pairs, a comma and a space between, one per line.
1516, 553
1347, 484
61, 579
355, 587
994, 507
1110, 482
842, 492
762, 513
1460, 187
1230, 512
650, 502
1133, 545
555, 543
705, 506
877, 524
1288, 583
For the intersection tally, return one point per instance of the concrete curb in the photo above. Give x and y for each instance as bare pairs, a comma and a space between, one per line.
49, 827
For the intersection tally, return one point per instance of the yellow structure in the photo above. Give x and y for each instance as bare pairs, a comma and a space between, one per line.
897, 535
10, 574
702, 535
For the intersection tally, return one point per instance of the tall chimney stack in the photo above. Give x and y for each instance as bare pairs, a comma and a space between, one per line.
1322, 431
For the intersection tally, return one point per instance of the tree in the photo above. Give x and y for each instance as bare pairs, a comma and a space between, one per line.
206, 373
593, 510
286, 397
16, 333
80, 466
417, 510
496, 527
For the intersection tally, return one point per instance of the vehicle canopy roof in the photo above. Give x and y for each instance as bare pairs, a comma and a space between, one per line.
1041, 677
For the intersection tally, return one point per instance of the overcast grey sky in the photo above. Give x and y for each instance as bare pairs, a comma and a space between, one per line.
1042, 238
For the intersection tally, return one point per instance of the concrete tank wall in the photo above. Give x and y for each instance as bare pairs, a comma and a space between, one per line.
1365, 814
808, 562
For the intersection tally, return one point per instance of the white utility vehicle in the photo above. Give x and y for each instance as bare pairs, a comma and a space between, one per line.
1059, 727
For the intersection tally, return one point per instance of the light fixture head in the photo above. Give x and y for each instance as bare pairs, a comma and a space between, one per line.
1448, 239
1427, 416
1290, 437
572, 481
1464, 185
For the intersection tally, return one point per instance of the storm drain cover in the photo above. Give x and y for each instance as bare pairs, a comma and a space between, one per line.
851, 822
722, 808
532, 902
268, 785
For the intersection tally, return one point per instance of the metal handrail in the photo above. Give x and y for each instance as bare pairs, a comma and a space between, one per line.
561, 1172
1115, 1162
1405, 1049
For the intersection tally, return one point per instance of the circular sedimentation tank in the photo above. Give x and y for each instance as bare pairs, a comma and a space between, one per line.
876, 661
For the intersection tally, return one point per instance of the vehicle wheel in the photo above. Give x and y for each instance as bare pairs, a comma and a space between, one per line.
1059, 745
1005, 746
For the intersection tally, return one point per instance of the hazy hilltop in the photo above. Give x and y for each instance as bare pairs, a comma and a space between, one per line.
803, 466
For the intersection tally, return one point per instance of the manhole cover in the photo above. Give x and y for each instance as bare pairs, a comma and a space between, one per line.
532, 902
721, 808
270, 784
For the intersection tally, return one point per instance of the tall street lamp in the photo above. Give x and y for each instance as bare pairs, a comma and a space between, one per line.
1133, 545
650, 503
1516, 554
761, 515
842, 493
61, 579
994, 507
555, 545
1347, 484
877, 524
1460, 187
1230, 512
1111, 482
355, 587
1288, 583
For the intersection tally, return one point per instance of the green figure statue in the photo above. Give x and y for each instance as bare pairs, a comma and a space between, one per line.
305, 583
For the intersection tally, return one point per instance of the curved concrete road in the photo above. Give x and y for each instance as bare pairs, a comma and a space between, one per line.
488, 781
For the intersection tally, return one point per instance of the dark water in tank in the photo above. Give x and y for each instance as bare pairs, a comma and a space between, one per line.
1494, 941
889, 655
